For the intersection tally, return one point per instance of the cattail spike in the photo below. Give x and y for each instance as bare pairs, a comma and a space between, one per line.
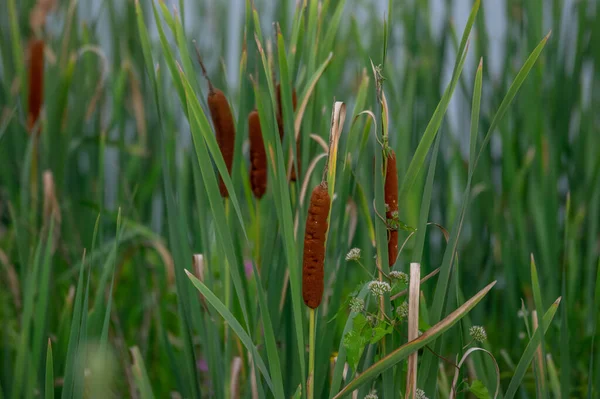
258, 156
391, 201
314, 246
36, 83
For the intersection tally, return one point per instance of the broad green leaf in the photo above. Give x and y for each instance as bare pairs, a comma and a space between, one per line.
479, 390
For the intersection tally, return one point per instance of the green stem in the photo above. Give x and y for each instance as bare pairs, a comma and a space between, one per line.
227, 283
311, 356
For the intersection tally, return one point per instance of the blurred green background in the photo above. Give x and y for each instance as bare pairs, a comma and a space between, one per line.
104, 150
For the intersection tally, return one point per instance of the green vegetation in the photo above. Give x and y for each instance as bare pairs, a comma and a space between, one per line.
125, 273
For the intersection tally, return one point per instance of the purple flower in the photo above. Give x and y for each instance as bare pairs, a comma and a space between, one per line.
248, 268
202, 365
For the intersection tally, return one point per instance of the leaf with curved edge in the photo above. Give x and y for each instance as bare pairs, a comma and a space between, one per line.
530, 350
512, 91
234, 324
402, 353
482, 388
312, 82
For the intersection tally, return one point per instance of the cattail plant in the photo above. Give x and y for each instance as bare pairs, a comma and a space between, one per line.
314, 246
258, 156
391, 201
222, 118
312, 264
36, 83
293, 174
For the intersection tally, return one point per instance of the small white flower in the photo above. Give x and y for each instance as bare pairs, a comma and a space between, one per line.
396, 275
378, 288
522, 335
353, 254
357, 305
421, 394
478, 333
402, 310
522, 314
372, 395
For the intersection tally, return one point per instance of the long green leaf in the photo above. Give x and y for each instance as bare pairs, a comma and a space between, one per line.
234, 324
49, 387
532, 346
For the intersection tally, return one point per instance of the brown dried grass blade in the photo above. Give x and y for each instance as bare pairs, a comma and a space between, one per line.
413, 328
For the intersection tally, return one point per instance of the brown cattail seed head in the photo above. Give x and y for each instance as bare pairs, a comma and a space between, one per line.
258, 156
314, 246
224, 129
36, 82
293, 174
391, 201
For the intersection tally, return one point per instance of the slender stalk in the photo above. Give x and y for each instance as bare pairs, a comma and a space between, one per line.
227, 284
311, 355
257, 238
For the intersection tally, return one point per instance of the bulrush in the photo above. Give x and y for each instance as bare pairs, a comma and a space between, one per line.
36, 83
258, 156
222, 118
314, 246
391, 201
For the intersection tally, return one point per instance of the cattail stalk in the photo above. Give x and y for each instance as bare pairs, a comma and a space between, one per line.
312, 265
222, 118
391, 201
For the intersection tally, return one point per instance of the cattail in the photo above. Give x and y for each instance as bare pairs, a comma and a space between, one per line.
391, 201
36, 82
293, 175
314, 246
258, 156
222, 118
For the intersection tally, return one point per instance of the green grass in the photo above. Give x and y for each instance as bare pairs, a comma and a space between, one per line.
100, 216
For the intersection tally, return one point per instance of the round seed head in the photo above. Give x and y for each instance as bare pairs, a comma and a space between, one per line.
400, 276
378, 288
478, 333
372, 395
402, 310
357, 305
353, 254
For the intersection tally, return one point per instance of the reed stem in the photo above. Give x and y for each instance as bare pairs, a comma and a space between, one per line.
311, 355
